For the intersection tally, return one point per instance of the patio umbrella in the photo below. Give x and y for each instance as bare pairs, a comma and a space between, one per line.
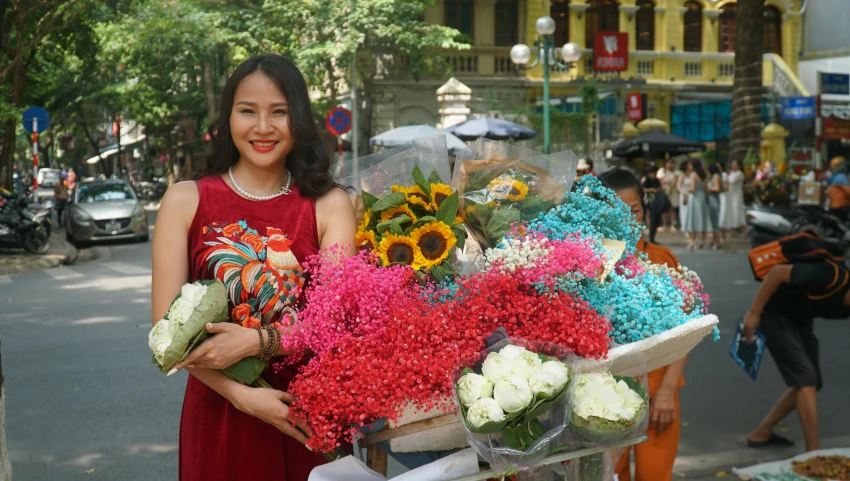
490, 128
656, 143
409, 133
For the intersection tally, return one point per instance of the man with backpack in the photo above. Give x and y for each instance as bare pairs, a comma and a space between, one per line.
811, 282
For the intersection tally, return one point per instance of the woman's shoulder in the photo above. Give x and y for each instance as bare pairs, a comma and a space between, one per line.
333, 200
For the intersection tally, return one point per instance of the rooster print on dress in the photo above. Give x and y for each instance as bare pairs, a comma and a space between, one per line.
262, 275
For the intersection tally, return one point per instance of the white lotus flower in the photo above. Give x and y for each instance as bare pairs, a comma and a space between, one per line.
496, 367
512, 393
599, 394
557, 369
193, 293
160, 337
180, 311
526, 364
483, 411
511, 351
544, 382
471, 387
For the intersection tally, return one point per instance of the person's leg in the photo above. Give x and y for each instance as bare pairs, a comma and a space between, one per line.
624, 467
654, 458
807, 409
783, 407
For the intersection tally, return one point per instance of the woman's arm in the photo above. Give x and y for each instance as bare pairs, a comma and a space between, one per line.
336, 221
663, 405
714, 185
778, 275
693, 187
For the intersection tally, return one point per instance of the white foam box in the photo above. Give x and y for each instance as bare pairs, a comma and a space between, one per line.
450, 436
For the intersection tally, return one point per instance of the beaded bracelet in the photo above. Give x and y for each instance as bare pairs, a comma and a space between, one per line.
262, 343
274, 341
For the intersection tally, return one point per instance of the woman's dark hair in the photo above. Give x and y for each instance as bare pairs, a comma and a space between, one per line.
683, 165
714, 169
698, 168
621, 179
308, 161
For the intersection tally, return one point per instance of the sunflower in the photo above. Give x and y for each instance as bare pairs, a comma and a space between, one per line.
433, 241
500, 187
366, 241
518, 191
439, 193
458, 220
394, 212
416, 196
367, 218
398, 249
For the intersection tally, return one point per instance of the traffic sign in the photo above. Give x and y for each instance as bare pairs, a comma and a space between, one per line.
835, 83
798, 108
39, 114
338, 121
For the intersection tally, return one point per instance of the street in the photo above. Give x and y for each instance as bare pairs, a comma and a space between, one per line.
84, 402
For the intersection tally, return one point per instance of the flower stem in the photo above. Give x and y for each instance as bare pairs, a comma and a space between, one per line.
260, 382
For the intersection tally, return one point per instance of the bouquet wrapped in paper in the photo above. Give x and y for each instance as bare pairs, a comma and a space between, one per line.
515, 403
503, 184
184, 327
405, 217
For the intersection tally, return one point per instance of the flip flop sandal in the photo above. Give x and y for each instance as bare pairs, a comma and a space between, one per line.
774, 440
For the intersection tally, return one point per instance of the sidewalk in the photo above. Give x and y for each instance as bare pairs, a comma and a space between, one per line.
735, 243
13, 261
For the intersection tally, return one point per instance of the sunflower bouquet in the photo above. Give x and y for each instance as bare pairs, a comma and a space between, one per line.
415, 225
505, 184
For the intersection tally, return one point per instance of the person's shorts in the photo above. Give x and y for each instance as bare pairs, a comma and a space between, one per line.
794, 347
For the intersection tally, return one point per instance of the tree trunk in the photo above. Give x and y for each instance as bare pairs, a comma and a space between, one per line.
169, 150
209, 89
747, 91
5, 463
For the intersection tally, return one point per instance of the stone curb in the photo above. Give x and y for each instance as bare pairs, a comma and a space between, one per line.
61, 252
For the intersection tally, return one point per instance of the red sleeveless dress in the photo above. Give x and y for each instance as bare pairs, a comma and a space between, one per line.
255, 248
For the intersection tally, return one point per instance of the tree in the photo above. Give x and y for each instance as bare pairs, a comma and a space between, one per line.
747, 90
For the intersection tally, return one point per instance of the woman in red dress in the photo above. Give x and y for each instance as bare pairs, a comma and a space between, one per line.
266, 202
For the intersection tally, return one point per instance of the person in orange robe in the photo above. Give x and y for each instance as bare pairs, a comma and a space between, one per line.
654, 458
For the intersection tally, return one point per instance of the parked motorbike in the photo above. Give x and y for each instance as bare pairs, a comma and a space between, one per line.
767, 224
21, 227
151, 190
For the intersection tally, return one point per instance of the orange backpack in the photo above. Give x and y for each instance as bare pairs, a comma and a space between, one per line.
802, 247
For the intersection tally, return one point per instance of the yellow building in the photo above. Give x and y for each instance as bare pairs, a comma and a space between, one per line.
681, 54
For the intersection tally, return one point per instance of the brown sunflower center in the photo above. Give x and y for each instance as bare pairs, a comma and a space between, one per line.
400, 254
515, 191
439, 197
432, 245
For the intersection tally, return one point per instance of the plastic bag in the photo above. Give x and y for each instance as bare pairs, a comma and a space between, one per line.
598, 431
596, 467
492, 447
501, 184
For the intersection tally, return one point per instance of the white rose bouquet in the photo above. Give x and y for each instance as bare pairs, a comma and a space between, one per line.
514, 404
184, 327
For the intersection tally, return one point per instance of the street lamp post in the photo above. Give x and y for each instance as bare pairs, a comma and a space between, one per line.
545, 45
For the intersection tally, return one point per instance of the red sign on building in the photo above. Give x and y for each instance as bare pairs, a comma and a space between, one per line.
610, 51
836, 129
634, 106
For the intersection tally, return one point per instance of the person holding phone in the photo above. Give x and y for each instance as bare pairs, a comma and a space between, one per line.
784, 309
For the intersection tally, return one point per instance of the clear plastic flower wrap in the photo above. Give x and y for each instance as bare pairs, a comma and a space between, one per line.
596, 467
501, 184
516, 421
607, 407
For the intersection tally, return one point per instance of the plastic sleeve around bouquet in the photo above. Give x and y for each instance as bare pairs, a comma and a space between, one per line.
600, 429
553, 416
500, 184
596, 467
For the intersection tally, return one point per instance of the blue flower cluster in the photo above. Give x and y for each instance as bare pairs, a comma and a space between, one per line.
593, 211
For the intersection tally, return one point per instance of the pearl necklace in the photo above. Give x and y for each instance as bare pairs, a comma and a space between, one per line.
283, 190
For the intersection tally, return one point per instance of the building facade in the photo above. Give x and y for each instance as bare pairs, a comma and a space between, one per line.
681, 56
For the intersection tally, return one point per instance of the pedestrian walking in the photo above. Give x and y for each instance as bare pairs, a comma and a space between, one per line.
60, 194
838, 188
732, 215
669, 177
268, 188
714, 190
789, 299
683, 186
654, 458
656, 201
697, 220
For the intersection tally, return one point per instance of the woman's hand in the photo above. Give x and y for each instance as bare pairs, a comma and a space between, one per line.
230, 344
752, 321
662, 409
269, 406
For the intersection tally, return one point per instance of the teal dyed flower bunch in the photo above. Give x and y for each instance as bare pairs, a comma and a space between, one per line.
593, 211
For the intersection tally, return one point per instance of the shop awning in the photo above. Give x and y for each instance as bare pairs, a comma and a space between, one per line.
113, 149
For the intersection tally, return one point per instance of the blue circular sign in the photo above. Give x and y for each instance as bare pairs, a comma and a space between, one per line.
36, 113
338, 121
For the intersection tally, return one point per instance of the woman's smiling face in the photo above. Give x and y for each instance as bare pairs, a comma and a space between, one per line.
259, 121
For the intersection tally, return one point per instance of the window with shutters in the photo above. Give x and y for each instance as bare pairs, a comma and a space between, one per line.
645, 29
459, 15
602, 15
560, 11
692, 29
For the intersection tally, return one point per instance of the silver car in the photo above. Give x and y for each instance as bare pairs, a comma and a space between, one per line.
105, 210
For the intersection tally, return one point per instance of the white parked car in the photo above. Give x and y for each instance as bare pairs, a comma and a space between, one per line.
49, 177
